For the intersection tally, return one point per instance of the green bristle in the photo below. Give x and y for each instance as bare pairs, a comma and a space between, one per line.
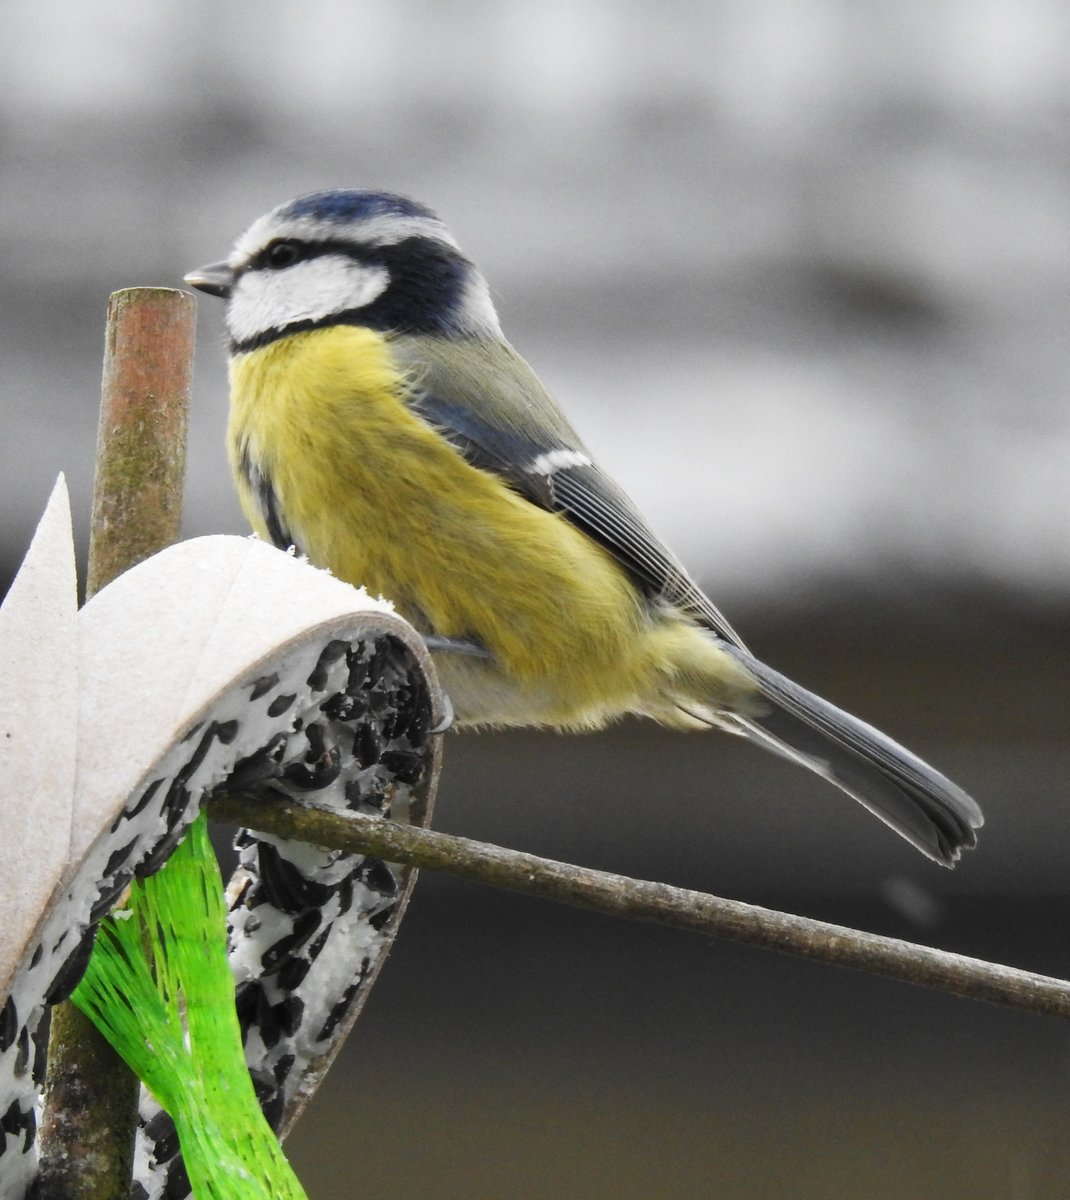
159, 988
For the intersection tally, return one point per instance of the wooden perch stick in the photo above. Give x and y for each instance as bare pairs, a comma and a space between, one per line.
622, 896
141, 439
91, 1098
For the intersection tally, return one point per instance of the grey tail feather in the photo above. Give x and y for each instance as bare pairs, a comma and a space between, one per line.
918, 802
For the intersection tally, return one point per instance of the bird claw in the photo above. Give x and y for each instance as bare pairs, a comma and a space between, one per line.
446, 645
447, 715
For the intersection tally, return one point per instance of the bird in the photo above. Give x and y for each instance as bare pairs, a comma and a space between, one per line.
382, 426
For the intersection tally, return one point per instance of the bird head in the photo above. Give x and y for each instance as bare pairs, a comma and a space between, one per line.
351, 257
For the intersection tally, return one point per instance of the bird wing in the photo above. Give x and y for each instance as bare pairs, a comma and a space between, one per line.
487, 402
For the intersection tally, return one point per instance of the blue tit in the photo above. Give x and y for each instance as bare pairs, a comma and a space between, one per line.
382, 425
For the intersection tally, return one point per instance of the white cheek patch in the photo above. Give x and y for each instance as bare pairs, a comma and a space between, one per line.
308, 291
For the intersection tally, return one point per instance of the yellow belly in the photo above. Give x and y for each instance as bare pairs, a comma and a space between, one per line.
369, 491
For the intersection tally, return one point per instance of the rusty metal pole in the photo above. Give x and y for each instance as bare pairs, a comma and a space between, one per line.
87, 1134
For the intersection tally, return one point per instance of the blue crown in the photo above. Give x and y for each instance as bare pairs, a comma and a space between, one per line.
345, 205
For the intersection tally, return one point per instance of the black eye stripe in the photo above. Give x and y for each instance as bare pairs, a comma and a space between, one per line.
262, 260
410, 250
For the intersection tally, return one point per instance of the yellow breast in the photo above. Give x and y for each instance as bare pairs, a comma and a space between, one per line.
370, 491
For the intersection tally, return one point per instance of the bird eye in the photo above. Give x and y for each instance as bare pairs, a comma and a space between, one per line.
284, 254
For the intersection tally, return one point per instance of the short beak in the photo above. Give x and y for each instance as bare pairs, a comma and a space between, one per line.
216, 280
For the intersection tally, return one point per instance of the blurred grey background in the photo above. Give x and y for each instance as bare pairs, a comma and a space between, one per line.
800, 271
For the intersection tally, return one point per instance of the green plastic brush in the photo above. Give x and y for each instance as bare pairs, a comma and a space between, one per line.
159, 988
